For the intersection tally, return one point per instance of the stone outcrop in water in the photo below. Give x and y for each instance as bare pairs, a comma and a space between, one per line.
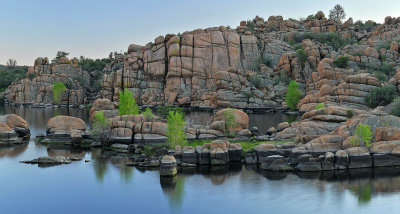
13, 129
37, 88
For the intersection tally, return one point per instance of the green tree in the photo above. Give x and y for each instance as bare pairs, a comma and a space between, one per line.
337, 13
176, 129
381, 96
292, 95
341, 62
58, 90
363, 135
230, 122
148, 113
58, 56
99, 125
127, 103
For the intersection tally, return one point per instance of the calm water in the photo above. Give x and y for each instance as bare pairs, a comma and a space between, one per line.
108, 186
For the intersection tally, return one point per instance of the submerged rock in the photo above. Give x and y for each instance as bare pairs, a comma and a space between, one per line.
49, 160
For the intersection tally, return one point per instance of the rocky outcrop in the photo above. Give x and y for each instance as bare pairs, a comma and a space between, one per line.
66, 130
13, 129
37, 88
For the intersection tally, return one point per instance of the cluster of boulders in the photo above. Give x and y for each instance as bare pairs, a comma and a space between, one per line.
69, 131
36, 89
13, 130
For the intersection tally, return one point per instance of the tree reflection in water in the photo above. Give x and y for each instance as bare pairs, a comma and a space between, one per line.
100, 165
174, 189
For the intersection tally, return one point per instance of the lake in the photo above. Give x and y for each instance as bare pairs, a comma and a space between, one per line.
106, 185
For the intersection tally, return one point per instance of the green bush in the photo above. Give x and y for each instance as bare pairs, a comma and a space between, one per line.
381, 96
58, 90
31, 76
127, 103
334, 39
301, 55
350, 113
250, 26
9, 75
395, 110
148, 113
380, 75
319, 106
292, 95
230, 122
99, 124
262, 60
176, 129
256, 81
341, 62
363, 135
164, 110
386, 68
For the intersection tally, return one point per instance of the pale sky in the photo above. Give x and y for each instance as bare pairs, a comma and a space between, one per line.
93, 28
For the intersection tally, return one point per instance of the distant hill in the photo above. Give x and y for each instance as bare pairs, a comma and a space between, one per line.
2, 66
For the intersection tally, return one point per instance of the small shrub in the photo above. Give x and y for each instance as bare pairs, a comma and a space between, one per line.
262, 60
31, 75
99, 125
176, 129
148, 113
395, 110
58, 90
301, 55
230, 122
388, 69
380, 75
319, 106
127, 103
292, 95
250, 26
164, 110
363, 135
256, 81
341, 62
381, 96
350, 113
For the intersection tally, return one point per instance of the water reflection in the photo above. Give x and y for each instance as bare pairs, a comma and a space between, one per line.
174, 189
13, 151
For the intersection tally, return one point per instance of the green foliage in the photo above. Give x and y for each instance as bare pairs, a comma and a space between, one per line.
386, 68
356, 53
99, 124
58, 90
381, 96
310, 17
230, 122
58, 56
380, 75
176, 129
9, 75
350, 113
262, 60
164, 110
363, 135
301, 55
319, 106
148, 113
341, 62
281, 78
256, 81
250, 26
88, 64
395, 110
292, 95
369, 26
333, 39
83, 81
127, 103
31, 76
337, 13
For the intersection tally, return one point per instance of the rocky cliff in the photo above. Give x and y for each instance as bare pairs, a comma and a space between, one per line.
248, 67
37, 88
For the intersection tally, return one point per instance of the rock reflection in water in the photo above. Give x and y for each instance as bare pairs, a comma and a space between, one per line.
13, 150
174, 189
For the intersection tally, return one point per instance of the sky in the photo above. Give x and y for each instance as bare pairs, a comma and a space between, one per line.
94, 28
